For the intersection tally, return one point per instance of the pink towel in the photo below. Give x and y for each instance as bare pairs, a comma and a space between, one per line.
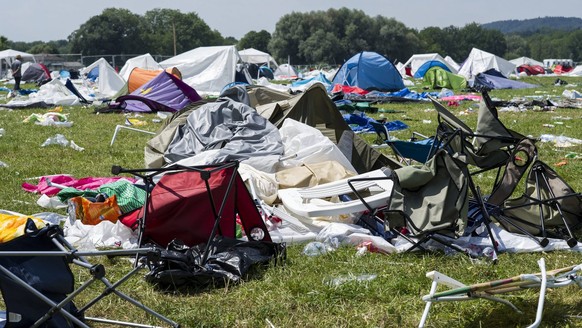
68, 181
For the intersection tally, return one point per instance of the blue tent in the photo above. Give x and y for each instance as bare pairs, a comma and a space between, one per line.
369, 71
427, 65
493, 79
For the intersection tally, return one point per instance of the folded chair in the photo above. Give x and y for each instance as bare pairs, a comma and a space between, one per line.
549, 207
419, 148
488, 148
191, 214
493, 290
38, 286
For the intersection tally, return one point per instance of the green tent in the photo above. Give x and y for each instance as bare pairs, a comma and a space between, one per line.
436, 78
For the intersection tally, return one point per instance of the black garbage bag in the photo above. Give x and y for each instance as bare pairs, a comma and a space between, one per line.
229, 261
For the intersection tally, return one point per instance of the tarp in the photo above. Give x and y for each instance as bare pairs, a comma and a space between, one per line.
209, 69
437, 77
146, 62
480, 61
369, 71
493, 79
165, 92
109, 83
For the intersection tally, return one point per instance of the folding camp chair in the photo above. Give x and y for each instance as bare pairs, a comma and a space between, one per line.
198, 209
419, 148
38, 286
429, 203
489, 148
490, 290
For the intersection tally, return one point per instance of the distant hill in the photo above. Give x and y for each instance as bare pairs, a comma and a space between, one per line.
534, 25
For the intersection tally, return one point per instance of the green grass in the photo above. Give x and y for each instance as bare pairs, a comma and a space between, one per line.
298, 294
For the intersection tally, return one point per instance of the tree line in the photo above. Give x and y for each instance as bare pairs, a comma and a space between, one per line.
317, 37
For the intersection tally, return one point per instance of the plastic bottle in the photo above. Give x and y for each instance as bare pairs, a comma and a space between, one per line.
315, 248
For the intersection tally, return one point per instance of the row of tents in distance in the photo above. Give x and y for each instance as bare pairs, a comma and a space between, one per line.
209, 70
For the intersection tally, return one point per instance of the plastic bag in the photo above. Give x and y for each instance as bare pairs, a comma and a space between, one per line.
93, 212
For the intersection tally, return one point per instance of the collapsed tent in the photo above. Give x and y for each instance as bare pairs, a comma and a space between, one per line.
531, 69
165, 92
301, 85
480, 61
493, 79
437, 77
109, 83
209, 69
138, 77
369, 71
314, 108
146, 62
35, 72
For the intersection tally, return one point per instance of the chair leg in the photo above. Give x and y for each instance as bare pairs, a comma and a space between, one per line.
539, 173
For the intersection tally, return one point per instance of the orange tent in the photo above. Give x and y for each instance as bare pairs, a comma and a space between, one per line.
140, 76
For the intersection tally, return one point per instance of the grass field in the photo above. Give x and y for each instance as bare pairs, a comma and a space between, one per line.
298, 294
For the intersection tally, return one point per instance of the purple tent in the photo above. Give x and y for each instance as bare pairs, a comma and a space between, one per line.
165, 92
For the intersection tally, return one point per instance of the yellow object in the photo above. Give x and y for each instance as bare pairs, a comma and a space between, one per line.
12, 226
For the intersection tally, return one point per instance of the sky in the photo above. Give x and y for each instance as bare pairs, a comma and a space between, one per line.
42, 20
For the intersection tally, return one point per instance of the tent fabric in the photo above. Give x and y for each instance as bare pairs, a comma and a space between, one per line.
231, 128
480, 61
138, 76
531, 69
146, 62
428, 65
416, 61
493, 79
437, 77
108, 81
314, 108
303, 84
208, 69
165, 92
369, 71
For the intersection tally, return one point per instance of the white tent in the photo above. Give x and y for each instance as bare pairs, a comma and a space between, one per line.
480, 61
254, 56
7, 57
286, 72
144, 61
208, 69
526, 61
109, 82
452, 63
415, 61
